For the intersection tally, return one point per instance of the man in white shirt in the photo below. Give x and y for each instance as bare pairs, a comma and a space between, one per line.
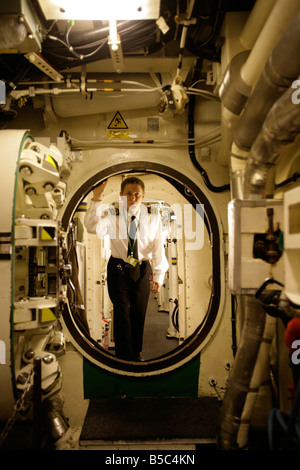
136, 238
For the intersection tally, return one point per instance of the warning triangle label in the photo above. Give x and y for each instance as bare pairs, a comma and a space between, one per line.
117, 122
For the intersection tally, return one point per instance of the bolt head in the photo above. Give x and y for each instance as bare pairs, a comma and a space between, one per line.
25, 170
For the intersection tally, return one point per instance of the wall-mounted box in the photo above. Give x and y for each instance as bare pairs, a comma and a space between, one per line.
292, 244
247, 219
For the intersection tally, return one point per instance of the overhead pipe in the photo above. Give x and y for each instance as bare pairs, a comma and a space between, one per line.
255, 22
246, 67
234, 90
281, 69
280, 18
249, 35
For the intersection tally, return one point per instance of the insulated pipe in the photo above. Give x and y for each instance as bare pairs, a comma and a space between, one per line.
249, 35
242, 371
56, 420
260, 374
282, 67
255, 22
279, 19
280, 128
246, 67
229, 122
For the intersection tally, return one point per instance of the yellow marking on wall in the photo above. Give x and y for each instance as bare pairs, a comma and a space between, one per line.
48, 315
46, 234
117, 134
49, 159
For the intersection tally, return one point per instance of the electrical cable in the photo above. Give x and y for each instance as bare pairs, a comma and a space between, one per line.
175, 315
204, 93
214, 27
72, 51
292, 179
135, 35
210, 186
233, 324
208, 139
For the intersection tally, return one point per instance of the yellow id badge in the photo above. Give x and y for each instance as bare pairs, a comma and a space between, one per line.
132, 261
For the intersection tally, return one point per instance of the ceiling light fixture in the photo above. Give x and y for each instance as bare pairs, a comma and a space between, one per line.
100, 9
115, 48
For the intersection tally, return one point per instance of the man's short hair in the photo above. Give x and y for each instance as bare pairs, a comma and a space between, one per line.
132, 180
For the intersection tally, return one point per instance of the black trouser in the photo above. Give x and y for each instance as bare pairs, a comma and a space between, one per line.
130, 300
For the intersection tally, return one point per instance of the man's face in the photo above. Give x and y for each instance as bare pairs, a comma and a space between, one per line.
134, 195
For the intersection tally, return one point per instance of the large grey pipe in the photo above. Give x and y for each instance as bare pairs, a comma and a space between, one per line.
240, 378
280, 128
282, 68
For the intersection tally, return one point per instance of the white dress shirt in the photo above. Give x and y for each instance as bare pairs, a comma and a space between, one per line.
103, 219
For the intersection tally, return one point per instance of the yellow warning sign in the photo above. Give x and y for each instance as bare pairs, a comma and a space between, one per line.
117, 122
117, 128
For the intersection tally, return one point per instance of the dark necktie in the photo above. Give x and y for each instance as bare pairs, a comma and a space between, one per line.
134, 272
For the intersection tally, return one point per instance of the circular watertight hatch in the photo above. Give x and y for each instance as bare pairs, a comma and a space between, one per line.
193, 344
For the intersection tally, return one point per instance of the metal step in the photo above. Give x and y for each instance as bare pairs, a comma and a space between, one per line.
160, 421
155, 444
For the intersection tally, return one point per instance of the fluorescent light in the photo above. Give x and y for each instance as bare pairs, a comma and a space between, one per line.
113, 35
100, 9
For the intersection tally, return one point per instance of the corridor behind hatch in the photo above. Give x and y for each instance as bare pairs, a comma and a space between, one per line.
155, 342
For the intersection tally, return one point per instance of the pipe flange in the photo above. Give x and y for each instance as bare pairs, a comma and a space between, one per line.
234, 92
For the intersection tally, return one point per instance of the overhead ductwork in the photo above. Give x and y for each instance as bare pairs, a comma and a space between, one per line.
280, 128
245, 69
282, 68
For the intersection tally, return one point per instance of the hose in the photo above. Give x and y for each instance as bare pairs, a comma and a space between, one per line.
175, 316
56, 420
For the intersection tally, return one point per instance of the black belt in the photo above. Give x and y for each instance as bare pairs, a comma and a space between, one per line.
123, 263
